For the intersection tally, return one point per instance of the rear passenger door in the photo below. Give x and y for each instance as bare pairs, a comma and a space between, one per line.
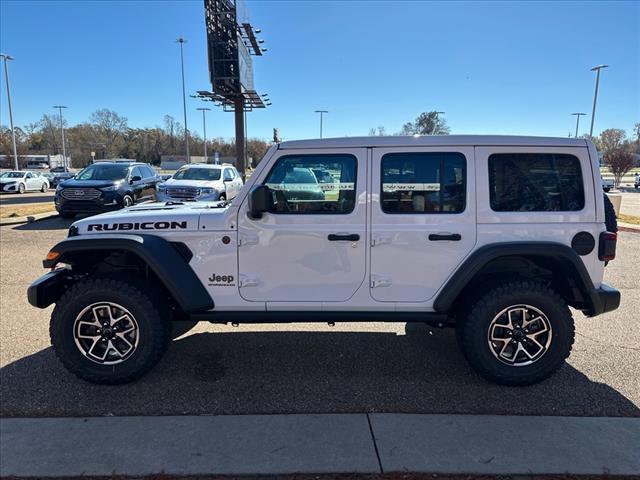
423, 219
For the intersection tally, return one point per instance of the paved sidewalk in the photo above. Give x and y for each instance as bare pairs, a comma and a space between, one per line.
330, 443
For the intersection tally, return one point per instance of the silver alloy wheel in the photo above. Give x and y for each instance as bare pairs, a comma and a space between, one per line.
127, 201
106, 333
519, 335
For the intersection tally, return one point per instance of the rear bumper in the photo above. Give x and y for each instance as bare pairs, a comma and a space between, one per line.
604, 299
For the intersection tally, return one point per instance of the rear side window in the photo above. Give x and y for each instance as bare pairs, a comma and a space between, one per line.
297, 188
429, 182
535, 182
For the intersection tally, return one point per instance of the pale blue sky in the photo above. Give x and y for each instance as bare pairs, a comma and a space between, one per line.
493, 67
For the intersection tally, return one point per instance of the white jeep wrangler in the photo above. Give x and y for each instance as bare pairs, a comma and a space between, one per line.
496, 236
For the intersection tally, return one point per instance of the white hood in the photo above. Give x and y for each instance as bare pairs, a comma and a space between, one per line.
9, 180
192, 183
152, 218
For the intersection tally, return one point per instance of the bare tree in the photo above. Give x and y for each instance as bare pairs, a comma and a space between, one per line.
109, 127
427, 123
377, 132
620, 161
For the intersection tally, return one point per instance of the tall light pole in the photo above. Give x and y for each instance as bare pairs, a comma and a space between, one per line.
6, 57
321, 112
596, 69
182, 41
64, 148
578, 115
204, 128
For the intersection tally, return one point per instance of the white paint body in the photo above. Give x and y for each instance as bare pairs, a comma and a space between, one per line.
285, 262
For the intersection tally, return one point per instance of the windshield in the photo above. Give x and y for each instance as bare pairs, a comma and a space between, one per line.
208, 174
103, 172
13, 175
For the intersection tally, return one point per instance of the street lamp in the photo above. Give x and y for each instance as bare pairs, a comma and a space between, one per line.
182, 41
6, 57
204, 128
64, 149
321, 112
578, 115
596, 69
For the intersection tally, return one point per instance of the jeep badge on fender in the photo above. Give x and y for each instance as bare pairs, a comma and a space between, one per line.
494, 236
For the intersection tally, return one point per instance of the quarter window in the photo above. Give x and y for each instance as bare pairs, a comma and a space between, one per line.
427, 182
535, 182
313, 184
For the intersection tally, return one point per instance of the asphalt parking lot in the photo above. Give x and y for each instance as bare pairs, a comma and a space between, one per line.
310, 368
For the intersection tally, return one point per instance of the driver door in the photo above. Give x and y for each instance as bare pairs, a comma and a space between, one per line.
311, 246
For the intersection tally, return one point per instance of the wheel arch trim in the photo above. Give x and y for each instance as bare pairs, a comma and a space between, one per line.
468, 270
158, 254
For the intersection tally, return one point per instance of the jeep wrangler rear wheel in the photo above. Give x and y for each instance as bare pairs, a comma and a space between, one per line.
517, 333
109, 330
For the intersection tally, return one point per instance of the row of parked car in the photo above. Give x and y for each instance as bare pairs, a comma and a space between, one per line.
111, 185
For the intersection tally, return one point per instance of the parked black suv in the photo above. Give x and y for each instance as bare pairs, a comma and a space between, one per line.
104, 186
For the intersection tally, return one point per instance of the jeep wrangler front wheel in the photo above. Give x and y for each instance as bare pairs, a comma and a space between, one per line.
109, 330
517, 333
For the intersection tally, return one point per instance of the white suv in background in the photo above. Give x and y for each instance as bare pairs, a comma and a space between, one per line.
201, 182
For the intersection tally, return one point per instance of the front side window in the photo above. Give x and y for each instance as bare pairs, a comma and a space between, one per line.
535, 182
427, 182
98, 171
297, 188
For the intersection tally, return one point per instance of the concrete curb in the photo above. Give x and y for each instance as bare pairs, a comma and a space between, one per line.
27, 219
628, 227
319, 444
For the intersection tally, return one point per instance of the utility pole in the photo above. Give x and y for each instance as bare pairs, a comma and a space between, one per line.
238, 108
6, 57
64, 148
577, 121
182, 41
596, 69
321, 112
204, 128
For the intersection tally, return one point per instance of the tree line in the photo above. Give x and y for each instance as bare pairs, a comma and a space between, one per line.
108, 134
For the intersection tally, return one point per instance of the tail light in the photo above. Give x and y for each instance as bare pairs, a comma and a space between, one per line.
607, 247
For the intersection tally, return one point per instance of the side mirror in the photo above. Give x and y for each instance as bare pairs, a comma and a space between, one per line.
135, 178
260, 201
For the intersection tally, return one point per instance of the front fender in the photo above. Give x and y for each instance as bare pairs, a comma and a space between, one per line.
166, 262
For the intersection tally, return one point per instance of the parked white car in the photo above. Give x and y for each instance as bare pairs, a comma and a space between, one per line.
201, 182
22, 181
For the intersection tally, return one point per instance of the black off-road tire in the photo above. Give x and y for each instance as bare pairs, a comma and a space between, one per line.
610, 216
148, 310
473, 332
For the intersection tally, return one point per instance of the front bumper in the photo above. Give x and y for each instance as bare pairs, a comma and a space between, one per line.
47, 289
108, 201
604, 299
211, 197
9, 187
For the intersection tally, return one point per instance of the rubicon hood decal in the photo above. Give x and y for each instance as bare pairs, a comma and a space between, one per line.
160, 225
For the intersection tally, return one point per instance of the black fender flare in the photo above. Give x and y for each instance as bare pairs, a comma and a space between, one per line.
162, 258
481, 257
